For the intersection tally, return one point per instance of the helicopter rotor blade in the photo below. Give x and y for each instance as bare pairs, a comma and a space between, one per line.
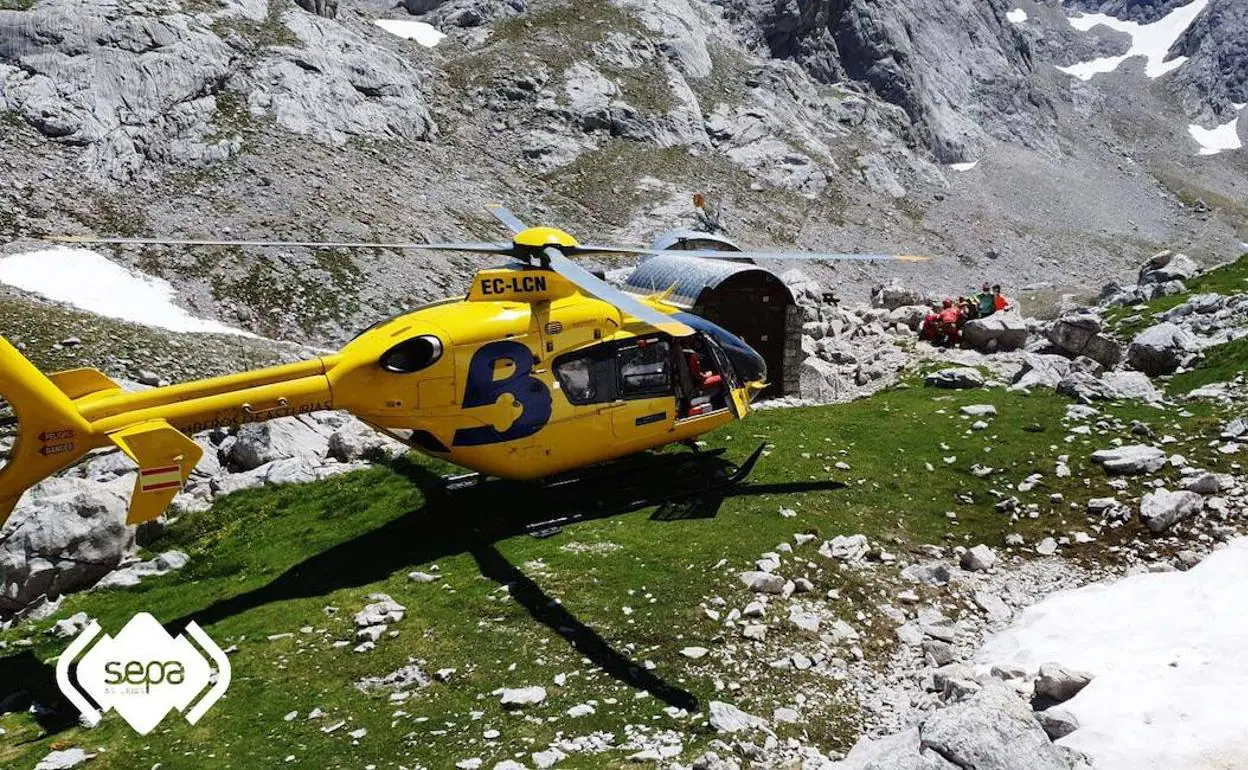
624, 251
476, 248
595, 286
504, 215
589, 249
793, 256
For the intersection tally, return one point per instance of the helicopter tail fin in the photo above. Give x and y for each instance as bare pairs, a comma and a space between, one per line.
43, 431
165, 457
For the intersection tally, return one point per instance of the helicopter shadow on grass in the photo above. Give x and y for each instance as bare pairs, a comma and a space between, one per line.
472, 520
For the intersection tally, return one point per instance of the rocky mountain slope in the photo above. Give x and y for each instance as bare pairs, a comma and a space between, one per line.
817, 124
833, 616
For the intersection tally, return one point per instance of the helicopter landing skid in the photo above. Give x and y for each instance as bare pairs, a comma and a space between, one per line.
453, 482
550, 527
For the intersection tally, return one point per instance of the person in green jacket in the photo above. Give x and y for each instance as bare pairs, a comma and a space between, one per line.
986, 301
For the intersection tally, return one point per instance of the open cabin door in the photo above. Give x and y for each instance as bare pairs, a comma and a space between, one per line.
645, 408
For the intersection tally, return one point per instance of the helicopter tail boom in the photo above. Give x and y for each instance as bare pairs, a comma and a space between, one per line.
41, 431
49, 422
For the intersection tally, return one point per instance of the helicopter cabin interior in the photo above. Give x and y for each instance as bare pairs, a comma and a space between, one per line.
691, 369
747, 300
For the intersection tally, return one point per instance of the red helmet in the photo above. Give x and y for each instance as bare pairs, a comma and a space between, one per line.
947, 302
986, 287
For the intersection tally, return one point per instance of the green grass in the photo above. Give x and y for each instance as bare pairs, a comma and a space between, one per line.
1221, 363
1231, 278
270, 561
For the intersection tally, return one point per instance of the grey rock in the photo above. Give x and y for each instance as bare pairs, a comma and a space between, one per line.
937, 652
894, 296
1079, 334
1132, 385
901, 50
1133, 459
1161, 349
338, 85
407, 677
936, 625
933, 574
1209, 483
1057, 722
65, 535
258, 444
762, 582
1236, 428
901, 751
727, 718
77, 86
463, 13
909, 634
1162, 509
1046, 547
1165, 267
960, 378
1007, 672
1098, 506
1060, 683
1040, 371
993, 606
821, 381
70, 627
136, 573
998, 332
381, 610
326, 8
63, 759
979, 410
522, 696
991, 730
849, 548
979, 559
356, 441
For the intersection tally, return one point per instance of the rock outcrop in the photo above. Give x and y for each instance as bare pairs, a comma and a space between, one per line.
905, 52
1079, 334
998, 332
1161, 349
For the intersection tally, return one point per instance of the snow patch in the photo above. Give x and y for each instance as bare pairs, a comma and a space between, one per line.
422, 32
91, 282
1152, 41
1219, 138
964, 166
1166, 650
1016, 16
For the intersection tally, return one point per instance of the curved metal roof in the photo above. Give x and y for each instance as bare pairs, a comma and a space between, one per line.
677, 238
690, 275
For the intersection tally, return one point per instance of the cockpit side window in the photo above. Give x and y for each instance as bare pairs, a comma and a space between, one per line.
412, 355
645, 368
585, 377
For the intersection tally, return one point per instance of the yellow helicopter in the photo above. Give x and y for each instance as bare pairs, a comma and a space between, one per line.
542, 368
